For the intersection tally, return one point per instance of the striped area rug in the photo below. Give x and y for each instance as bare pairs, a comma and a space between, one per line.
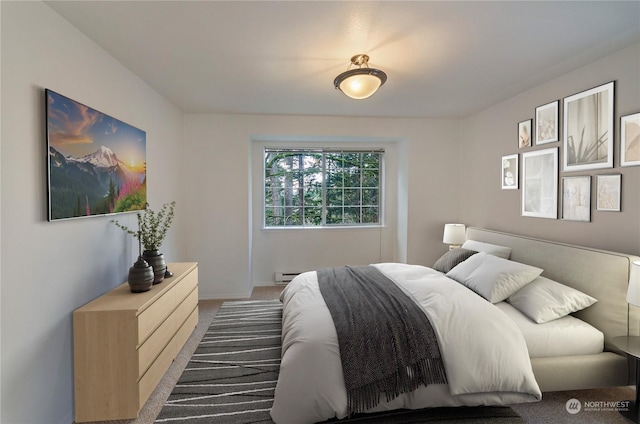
233, 372
232, 376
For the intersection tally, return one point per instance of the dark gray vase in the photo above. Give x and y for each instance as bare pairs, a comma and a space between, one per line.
156, 260
140, 276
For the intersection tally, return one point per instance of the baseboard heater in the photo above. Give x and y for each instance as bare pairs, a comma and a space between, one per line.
285, 277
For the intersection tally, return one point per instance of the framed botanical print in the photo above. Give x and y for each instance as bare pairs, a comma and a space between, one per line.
608, 192
509, 172
524, 134
576, 198
588, 129
547, 123
630, 140
540, 183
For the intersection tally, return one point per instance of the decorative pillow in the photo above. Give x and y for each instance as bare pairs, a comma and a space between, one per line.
492, 249
544, 300
452, 258
492, 277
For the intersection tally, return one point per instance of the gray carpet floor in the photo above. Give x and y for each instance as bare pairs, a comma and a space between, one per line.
552, 408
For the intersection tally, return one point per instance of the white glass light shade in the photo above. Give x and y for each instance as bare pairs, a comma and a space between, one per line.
454, 234
360, 86
361, 82
633, 292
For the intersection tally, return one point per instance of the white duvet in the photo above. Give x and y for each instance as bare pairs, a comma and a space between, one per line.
484, 353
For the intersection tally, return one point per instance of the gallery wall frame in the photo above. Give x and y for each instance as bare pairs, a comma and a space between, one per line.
630, 140
547, 123
608, 192
588, 129
96, 163
576, 198
540, 183
509, 172
524, 134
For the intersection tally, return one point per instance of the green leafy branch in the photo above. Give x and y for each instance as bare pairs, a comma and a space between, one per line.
152, 226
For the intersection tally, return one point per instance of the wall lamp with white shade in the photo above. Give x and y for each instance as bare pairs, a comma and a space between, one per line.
361, 82
633, 291
631, 344
454, 235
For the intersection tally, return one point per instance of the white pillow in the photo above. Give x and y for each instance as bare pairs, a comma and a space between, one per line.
544, 300
492, 249
492, 277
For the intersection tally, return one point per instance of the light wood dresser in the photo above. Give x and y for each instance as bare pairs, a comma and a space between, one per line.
124, 342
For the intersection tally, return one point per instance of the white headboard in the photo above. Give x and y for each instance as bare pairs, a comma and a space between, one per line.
601, 274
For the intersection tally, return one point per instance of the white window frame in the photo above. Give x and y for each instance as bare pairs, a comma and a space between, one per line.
327, 150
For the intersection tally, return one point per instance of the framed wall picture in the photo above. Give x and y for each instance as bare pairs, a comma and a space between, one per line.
576, 198
96, 164
524, 134
630, 140
588, 129
540, 183
608, 192
547, 123
509, 172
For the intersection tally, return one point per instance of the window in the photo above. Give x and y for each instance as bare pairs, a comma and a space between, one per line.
322, 187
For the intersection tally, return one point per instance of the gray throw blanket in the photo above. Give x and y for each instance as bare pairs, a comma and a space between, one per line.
387, 344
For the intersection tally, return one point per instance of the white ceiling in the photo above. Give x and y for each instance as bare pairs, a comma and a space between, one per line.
443, 59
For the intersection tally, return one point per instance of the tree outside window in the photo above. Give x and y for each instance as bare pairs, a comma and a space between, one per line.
316, 187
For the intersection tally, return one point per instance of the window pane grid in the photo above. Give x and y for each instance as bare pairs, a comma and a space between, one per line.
322, 188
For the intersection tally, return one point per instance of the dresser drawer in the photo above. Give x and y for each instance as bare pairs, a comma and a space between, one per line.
159, 339
185, 331
184, 287
152, 377
155, 314
186, 307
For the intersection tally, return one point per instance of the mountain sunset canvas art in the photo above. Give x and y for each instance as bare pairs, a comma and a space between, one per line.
97, 164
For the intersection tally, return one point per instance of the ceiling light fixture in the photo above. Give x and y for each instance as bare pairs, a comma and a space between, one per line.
361, 82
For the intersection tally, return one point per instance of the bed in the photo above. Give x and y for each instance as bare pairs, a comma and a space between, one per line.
527, 358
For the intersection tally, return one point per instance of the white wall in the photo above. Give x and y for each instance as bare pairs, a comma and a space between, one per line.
233, 251
298, 250
490, 134
51, 268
